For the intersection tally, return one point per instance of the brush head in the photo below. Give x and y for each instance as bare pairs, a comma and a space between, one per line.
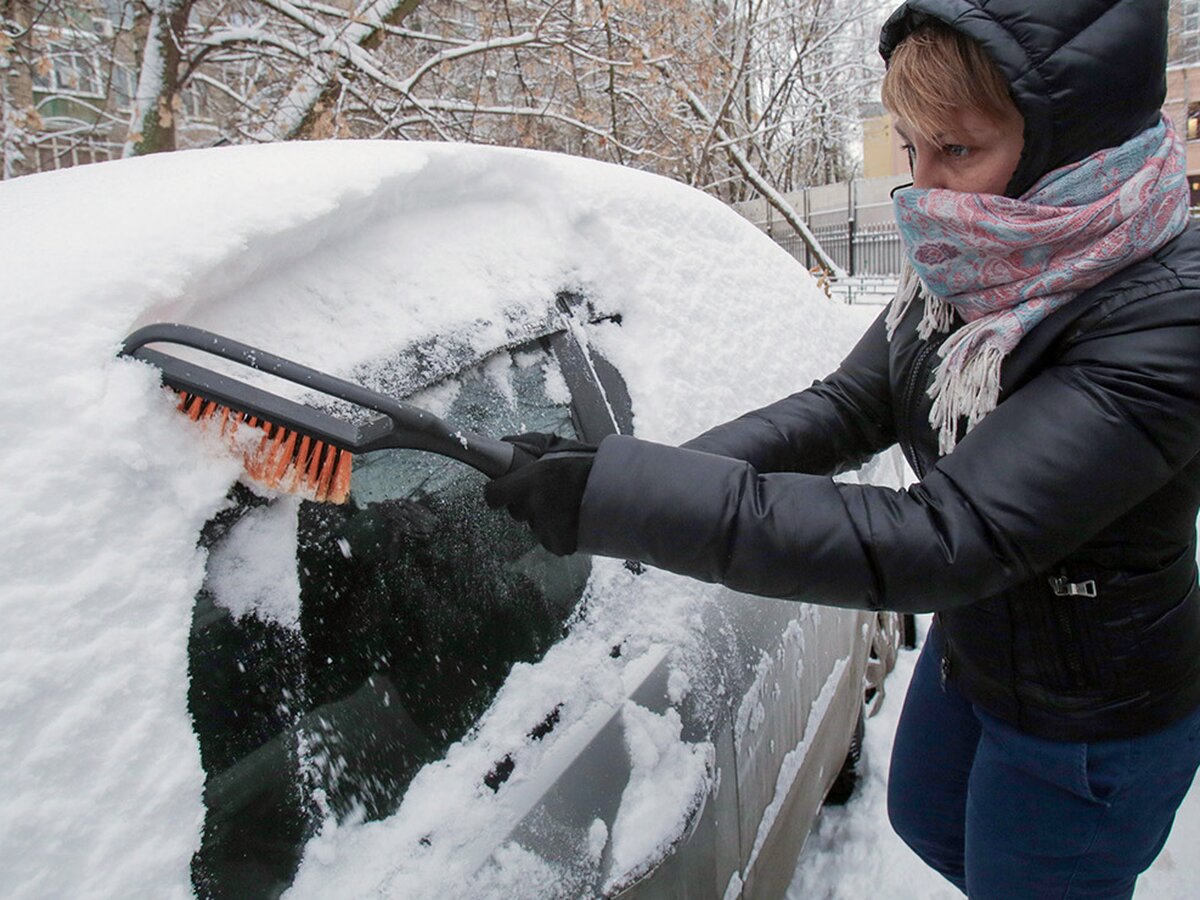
279, 459
298, 448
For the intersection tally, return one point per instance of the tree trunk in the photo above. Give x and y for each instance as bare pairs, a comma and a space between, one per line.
18, 118
316, 121
152, 125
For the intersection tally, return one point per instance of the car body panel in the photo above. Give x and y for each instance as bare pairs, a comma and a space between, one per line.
366, 260
791, 679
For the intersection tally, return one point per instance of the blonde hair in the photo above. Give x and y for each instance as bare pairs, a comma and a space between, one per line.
934, 72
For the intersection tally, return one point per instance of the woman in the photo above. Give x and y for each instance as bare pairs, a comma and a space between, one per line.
1040, 368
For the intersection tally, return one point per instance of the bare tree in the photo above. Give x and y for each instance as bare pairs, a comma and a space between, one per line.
17, 116
738, 97
156, 100
62, 93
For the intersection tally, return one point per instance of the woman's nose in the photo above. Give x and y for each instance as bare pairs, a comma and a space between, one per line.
926, 173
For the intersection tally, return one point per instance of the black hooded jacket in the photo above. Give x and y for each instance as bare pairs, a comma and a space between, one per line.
1085, 74
1058, 540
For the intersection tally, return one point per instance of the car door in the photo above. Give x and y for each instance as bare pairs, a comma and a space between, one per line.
336, 650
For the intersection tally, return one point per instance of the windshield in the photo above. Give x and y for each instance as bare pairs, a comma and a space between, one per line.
337, 649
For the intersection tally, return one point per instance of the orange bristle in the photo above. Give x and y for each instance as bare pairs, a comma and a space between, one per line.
297, 482
328, 465
252, 458
341, 478
283, 459
270, 449
286, 457
312, 471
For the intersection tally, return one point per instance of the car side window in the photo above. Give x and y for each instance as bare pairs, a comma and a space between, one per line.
414, 602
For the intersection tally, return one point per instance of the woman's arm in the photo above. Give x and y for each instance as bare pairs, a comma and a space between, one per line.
1071, 451
835, 425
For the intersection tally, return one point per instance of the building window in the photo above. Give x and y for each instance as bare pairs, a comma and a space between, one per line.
1188, 38
70, 64
1193, 122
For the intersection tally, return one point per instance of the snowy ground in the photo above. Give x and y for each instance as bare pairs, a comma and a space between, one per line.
864, 290
854, 855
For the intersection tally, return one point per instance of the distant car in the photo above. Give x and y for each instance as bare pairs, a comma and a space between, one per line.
405, 695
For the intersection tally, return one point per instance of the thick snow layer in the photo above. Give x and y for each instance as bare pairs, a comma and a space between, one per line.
669, 780
335, 254
254, 571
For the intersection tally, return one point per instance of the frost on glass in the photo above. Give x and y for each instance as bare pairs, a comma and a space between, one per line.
415, 602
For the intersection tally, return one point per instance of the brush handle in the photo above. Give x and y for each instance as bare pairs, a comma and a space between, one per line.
404, 426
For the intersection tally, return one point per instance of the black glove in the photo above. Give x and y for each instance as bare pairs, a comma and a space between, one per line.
544, 487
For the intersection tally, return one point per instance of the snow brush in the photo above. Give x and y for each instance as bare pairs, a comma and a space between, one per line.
301, 449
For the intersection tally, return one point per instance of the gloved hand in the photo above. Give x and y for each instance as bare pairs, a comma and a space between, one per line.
545, 487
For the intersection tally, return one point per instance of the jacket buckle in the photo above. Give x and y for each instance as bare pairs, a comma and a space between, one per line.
1064, 588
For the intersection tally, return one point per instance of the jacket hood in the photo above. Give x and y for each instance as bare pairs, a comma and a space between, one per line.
1085, 74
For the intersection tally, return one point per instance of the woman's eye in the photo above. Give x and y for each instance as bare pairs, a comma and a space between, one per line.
956, 150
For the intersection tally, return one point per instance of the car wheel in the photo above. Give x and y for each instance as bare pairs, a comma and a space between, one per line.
890, 634
848, 777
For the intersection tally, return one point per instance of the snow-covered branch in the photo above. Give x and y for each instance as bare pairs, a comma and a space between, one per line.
780, 82
761, 184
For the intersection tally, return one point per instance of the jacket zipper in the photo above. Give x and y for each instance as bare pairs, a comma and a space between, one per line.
1063, 589
915, 376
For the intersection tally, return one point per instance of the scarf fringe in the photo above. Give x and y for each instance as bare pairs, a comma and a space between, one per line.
906, 293
962, 265
938, 316
966, 384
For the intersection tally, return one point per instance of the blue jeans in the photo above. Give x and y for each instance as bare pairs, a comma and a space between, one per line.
1007, 816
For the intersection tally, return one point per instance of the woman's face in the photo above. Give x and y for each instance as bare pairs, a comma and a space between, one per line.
975, 154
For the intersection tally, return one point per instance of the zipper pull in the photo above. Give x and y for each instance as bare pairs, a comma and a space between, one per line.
944, 672
1063, 587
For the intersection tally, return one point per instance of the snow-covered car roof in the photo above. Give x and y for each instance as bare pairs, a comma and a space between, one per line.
336, 254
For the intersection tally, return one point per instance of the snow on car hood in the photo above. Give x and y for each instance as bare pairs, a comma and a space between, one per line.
334, 254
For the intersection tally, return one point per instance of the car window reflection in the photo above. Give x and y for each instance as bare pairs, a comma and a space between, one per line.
415, 602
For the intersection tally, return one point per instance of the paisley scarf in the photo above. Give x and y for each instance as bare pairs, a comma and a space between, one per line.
1003, 265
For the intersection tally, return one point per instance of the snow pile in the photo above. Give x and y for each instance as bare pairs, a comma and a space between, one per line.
669, 780
335, 254
254, 570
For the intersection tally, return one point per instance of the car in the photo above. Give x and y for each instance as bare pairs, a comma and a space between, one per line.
404, 695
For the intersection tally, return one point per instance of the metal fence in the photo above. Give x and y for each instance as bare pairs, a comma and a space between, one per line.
865, 250
861, 250
852, 222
